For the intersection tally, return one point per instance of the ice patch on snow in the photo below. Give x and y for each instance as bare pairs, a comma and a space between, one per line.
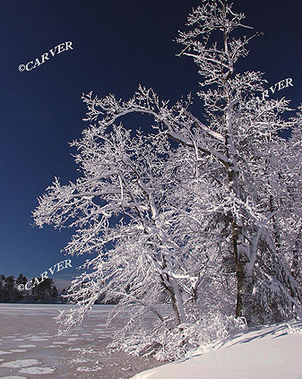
27, 345
5, 352
20, 363
80, 360
89, 369
60, 343
13, 377
18, 350
37, 370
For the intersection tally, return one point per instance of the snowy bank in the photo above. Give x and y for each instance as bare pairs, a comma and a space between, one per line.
267, 352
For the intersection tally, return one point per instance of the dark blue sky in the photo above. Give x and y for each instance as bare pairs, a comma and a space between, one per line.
117, 44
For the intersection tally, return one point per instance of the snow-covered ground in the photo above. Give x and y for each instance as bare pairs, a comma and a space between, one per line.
30, 348
273, 352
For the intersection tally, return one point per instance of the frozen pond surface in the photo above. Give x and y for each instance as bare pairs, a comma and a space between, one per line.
30, 347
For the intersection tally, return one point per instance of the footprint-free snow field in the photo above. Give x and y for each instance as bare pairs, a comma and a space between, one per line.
272, 352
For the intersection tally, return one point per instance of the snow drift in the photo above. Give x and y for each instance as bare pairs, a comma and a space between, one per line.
267, 352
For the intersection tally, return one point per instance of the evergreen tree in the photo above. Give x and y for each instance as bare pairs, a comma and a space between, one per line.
45, 291
21, 294
9, 291
2, 285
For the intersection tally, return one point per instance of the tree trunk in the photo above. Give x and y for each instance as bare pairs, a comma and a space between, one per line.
176, 299
244, 305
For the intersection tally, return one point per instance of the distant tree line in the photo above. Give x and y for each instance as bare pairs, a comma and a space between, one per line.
45, 292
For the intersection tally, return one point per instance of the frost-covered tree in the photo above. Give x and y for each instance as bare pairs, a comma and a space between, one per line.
290, 225
124, 212
188, 224
250, 183
236, 145
130, 211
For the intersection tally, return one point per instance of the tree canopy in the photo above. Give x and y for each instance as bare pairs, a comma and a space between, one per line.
198, 221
